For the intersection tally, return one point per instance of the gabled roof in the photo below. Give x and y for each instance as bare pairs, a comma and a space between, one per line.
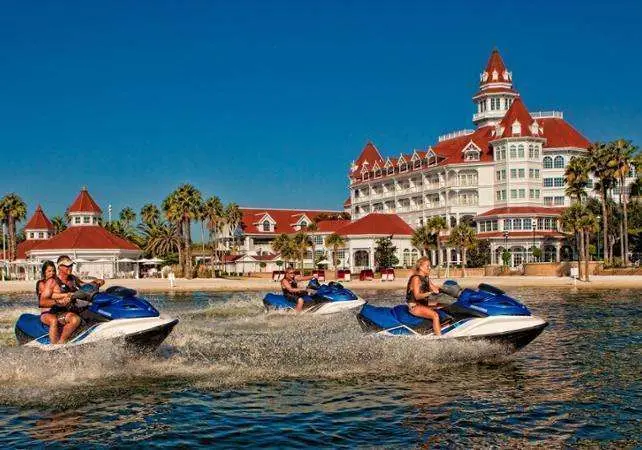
331, 226
559, 133
369, 155
285, 219
25, 246
92, 237
517, 112
522, 210
39, 221
377, 224
84, 203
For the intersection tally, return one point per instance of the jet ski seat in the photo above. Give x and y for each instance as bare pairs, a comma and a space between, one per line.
31, 325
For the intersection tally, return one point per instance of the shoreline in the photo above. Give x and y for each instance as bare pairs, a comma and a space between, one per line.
265, 284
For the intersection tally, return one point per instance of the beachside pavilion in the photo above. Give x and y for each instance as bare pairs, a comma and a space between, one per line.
96, 251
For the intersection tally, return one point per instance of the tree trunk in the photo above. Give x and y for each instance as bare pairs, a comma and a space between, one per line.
335, 249
463, 260
580, 254
12, 237
586, 255
626, 222
605, 226
188, 249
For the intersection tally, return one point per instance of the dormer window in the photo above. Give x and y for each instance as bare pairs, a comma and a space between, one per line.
417, 164
304, 224
77, 220
267, 227
86, 219
366, 175
41, 235
378, 173
391, 170
517, 128
31, 235
471, 155
403, 167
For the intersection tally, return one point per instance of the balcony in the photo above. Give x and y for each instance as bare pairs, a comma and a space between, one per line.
547, 114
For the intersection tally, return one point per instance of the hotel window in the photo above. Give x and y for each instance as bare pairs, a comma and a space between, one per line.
366, 175
558, 182
536, 193
41, 235
31, 235
266, 226
391, 170
505, 103
531, 193
537, 174
548, 162
86, 219
537, 151
304, 224
522, 193
504, 174
520, 151
76, 219
531, 173
499, 196
517, 224
548, 182
513, 152
378, 173
504, 194
521, 173
403, 168
318, 240
527, 224
513, 193
530, 151
94, 220
548, 201
417, 164
498, 175
513, 173
558, 163
559, 200
508, 224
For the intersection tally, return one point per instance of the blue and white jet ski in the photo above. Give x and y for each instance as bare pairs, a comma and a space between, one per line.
485, 313
324, 299
117, 314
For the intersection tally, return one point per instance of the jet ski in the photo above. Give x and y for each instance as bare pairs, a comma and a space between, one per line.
324, 299
482, 313
117, 314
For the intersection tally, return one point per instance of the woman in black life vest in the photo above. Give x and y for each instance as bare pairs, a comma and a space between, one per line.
418, 292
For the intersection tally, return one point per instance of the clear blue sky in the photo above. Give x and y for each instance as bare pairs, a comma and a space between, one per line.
266, 103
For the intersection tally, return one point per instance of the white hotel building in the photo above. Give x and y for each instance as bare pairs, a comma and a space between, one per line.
506, 174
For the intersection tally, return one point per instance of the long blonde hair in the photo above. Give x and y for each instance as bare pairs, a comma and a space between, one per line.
420, 261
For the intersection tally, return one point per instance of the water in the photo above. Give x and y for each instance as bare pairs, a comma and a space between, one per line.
229, 376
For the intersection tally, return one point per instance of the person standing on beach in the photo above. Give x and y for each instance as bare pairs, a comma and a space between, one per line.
291, 291
171, 278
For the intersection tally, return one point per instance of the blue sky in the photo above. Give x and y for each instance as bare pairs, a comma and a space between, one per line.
266, 103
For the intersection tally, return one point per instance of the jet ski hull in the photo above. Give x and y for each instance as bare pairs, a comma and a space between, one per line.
275, 302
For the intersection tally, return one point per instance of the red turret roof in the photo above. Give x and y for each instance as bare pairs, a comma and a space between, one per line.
39, 221
84, 203
496, 64
517, 112
368, 155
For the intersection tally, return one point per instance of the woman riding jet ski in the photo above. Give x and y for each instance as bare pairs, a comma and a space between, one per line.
325, 299
117, 314
485, 313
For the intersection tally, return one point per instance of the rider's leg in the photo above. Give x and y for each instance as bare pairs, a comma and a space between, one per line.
52, 322
72, 321
428, 313
299, 304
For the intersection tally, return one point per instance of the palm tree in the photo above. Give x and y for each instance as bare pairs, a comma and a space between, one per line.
623, 154
127, 216
335, 241
14, 210
212, 213
161, 238
59, 224
233, 217
302, 242
588, 224
463, 237
284, 245
603, 168
436, 225
423, 239
576, 177
150, 214
570, 220
181, 207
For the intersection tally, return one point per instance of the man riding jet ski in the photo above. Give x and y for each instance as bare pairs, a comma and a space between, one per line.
485, 313
324, 299
117, 314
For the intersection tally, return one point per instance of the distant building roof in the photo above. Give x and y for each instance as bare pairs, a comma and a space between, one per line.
91, 237
283, 220
377, 224
39, 221
84, 203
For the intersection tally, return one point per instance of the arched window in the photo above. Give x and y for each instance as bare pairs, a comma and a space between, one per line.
407, 262
548, 162
266, 225
558, 163
414, 256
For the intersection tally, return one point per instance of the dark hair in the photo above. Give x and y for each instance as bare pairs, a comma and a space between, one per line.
46, 264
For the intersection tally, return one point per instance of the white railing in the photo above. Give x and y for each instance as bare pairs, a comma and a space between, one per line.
454, 134
547, 114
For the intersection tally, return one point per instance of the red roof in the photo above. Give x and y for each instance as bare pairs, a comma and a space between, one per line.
519, 210
377, 224
25, 246
451, 149
368, 155
87, 238
495, 63
347, 203
285, 219
517, 112
39, 221
559, 133
84, 203
331, 226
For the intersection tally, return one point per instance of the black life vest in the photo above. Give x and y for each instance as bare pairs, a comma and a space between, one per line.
424, 287
288, 294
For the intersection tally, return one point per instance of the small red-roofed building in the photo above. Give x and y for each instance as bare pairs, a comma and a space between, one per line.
85, 240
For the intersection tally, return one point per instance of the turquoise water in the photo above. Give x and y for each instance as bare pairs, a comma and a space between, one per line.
229, 376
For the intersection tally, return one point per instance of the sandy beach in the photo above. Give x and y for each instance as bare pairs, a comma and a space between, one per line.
263, 284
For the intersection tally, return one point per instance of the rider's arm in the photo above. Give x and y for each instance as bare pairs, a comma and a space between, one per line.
433, 287
285, 284
51, 295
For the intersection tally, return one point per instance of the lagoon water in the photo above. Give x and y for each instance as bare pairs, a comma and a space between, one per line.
230, 376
